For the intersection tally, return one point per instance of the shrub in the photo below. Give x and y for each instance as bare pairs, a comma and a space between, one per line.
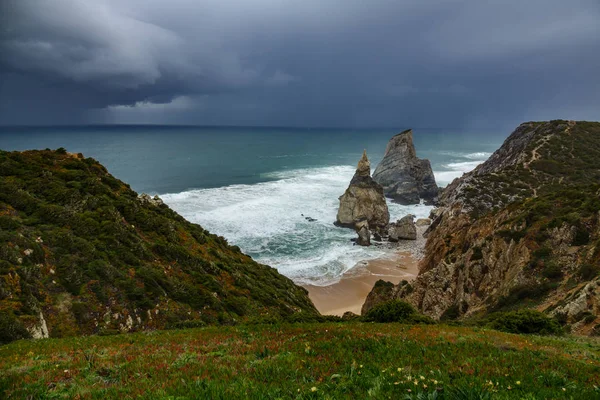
530, 291
390, 311
454, 311
11, 328
588, 271
552, 271
477, 254
582, 237
396, 311
525, 321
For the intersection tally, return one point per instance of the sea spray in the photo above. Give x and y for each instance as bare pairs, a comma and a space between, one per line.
287, 222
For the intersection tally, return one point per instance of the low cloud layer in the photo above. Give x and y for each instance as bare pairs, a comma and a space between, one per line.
436, 64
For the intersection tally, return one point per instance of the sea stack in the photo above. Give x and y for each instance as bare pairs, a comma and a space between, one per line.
363, 201
405, 178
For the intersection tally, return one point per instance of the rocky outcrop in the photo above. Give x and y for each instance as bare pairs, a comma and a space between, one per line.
403, 229
364, 235
147, 199
521, 230
363, 201
423, 222
405, 178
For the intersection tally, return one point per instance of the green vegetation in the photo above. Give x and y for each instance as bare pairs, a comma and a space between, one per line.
537, 199
308, 361
396, 311
83, 249
524, 321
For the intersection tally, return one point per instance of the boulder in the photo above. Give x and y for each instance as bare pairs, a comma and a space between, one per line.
423, 222
405, 178
364, 235
146, 199
403, 229
363, 200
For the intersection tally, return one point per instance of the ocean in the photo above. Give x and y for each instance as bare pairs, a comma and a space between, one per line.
257, 186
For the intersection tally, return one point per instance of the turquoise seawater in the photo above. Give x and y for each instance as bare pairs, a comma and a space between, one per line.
256, 186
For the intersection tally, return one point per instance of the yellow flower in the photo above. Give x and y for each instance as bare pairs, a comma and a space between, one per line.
313, 389
424, 386
564, 390
416, 382
518, 382
435, 382
422, 377
400, 369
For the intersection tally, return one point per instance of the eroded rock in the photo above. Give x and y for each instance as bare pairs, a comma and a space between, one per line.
403, 229
363, 200
406, 178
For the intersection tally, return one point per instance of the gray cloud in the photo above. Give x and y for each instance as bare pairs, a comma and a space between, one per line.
441, 63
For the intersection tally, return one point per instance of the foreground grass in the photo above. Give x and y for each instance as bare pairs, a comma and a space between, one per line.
308, 361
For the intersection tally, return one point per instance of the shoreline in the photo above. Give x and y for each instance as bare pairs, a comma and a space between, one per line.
350, 292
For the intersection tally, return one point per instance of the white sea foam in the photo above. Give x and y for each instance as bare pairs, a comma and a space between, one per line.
268, 221
456, 169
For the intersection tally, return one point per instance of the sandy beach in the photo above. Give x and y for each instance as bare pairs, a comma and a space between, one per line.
350, 292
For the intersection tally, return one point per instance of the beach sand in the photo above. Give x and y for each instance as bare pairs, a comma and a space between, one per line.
350, 292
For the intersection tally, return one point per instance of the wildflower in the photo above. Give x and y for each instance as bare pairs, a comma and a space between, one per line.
422, 377
408, 390
509, 388
360, 366
396, 383
518, 382
416, 382
400, 369
435, 382
424, 386
564, 390
313, 389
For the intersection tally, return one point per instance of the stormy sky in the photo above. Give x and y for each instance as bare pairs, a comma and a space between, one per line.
467, 64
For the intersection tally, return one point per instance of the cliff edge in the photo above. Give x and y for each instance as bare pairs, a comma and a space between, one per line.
521, 230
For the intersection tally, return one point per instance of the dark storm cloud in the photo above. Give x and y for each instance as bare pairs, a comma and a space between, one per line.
441, 63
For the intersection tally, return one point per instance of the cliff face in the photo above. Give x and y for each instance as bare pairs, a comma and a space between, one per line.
81, 253
363, 200
404, 177
521, 230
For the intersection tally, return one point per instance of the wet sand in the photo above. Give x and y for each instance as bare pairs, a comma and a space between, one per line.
350, 292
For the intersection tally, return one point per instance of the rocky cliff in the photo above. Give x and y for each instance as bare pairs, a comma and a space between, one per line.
363, 201
521, 230
405, 178
81, 253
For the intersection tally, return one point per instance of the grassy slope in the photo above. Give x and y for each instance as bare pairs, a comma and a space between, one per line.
79, 246
338, 360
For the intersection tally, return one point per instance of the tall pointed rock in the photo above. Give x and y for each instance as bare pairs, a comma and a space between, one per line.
363, 200
405, 178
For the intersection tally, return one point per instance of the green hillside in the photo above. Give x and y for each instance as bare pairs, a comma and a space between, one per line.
82, 253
